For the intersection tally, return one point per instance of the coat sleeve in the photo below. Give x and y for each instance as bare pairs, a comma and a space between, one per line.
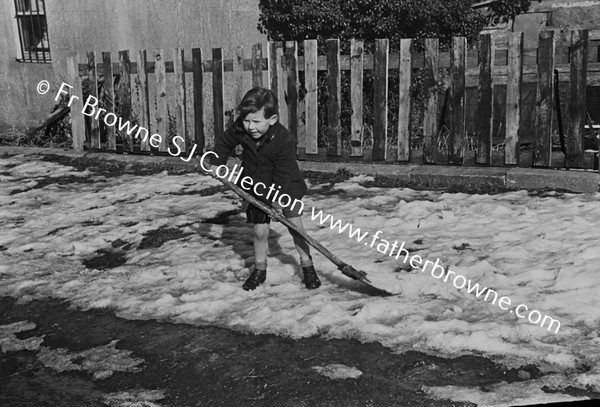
225, 145
284, 165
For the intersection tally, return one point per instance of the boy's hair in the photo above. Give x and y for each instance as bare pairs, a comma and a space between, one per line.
257, 98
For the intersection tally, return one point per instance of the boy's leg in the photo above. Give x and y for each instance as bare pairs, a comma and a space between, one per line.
311, 280
261, 246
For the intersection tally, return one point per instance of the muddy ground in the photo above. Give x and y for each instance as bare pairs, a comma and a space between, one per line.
156, 363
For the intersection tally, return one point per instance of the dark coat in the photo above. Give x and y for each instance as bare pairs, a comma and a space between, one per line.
273, 162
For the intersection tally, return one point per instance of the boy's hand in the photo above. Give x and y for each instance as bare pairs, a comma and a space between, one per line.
277, 208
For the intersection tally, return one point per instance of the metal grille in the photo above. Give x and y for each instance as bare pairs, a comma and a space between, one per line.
33, 30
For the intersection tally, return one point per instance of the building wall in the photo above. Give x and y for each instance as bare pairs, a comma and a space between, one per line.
113, 25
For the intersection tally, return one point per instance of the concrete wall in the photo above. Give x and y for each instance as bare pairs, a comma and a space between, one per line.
103, 25
20, 104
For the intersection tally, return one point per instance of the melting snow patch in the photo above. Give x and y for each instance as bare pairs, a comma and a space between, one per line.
101, 361
338, 371
9, 341
134, 398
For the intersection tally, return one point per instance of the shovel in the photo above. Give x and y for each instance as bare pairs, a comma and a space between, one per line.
345, 268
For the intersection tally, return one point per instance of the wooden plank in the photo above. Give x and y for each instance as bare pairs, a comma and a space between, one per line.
77, 118
109, 100
180, 101
380, 99
430, 120
457, 139
542, 144
238, 76
577, 100
485, 101
257, 71
218, 93
93, 92
278, 81
404, 104
198, 77
357, 53
311, 84
125, 98
291, 73
334, 91
513, 99
161, 101
144, 101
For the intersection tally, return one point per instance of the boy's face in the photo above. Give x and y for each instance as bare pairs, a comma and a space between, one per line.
256, 124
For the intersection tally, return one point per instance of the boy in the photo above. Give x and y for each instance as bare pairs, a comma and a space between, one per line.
270, 158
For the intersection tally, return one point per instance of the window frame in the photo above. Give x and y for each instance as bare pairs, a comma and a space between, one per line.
35, 18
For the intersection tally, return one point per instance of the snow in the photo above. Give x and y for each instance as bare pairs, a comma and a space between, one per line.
540, 251
337, 371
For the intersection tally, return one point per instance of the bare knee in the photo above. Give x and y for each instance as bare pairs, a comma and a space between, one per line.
261, 231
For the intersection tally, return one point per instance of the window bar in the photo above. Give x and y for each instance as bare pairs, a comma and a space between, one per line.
39, 23
20, 28
32, 36
46, 30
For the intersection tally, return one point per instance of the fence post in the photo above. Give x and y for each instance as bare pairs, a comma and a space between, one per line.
405, 80
93, 91
144, 103
198, 77
380, 99
430, 120
514, 81
311, 98
485, 100
578, 53
458, 61
77, 120
160, 72
542, 153
109, 102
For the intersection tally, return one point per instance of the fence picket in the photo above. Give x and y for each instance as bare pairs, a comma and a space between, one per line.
291, 63
77, 118
405, 73
311, 99
430, 120
577, 103
109, 101
180, 99
485, 100
334, 90
457, 138
161, 100
93, 91
144, 103
542, 152
356, 97
514, 81
257, 65
197, 75
218, 93
380, 100
125, 97
277, 79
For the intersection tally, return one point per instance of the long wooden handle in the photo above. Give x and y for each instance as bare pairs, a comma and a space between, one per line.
342, 266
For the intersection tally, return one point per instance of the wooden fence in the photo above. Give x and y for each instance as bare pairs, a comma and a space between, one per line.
498, 60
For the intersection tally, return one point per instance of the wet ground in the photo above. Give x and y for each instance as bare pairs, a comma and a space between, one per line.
183, 365
60, 356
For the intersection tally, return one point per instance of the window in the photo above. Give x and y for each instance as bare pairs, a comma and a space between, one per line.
33, 31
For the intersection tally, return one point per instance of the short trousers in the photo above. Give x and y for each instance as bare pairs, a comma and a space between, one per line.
256, 216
